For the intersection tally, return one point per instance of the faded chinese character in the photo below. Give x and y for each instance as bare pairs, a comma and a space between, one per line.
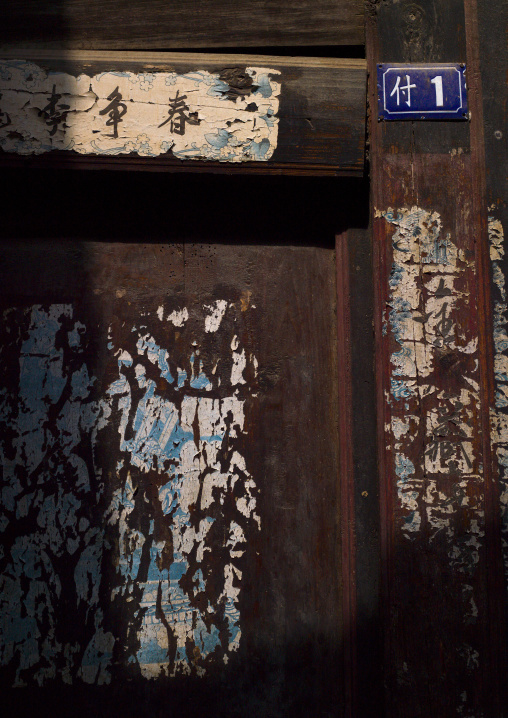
55, 113
177, 117
404, 89
5, 120
448, 438
446, 450
440, 249
116, 109
450, 422
445, 324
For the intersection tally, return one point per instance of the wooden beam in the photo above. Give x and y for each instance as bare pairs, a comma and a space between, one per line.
251, 113
91, 24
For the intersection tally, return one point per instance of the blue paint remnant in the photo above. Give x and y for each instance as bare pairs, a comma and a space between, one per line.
439, 251
404, 467
51, 426
268, 118
97, 658
43, 422
264, 87
259, 149
399, 315
409, 519
219, 139
401, 389
87, 572
199, 380
395, 275
74, 336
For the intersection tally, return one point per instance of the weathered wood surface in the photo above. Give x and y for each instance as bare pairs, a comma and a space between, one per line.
367, 673
280, 307
440, 542
347, 474
311, 112
158, 25
492, 23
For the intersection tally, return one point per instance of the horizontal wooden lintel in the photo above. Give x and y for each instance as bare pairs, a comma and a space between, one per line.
169, 111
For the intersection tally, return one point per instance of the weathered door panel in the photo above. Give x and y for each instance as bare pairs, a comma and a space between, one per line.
170, 491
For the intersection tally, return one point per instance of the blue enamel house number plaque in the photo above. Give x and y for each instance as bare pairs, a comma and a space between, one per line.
422, 92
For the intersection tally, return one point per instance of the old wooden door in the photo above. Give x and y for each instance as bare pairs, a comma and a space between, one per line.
170, 438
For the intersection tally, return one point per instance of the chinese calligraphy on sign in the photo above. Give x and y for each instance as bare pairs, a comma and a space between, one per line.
422, 92
190, 116
117, 109
54, 113
177, 115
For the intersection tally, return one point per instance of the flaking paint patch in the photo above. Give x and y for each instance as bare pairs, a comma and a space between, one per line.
195, 115
424, 290
174, 513
499, 414
217, 309
183, 444
432, 399
45, 422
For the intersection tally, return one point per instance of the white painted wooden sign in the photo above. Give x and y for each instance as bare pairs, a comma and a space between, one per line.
192, 116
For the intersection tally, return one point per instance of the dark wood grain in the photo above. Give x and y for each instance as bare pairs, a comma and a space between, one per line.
347, 492
322, 111
488, 23
368, 694
437, 167
117, 24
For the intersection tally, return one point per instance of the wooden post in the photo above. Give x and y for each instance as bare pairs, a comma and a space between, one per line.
439, 494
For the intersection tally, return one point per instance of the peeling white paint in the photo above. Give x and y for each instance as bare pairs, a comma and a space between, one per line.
190, 438
178, 317
499, 415
217, 311
189, 115
429, 446
239, 364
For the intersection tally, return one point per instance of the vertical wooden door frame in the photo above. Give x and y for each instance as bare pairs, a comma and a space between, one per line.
410, 166
346, 474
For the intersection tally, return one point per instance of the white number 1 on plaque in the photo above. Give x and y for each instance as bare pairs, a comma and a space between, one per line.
438, 85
